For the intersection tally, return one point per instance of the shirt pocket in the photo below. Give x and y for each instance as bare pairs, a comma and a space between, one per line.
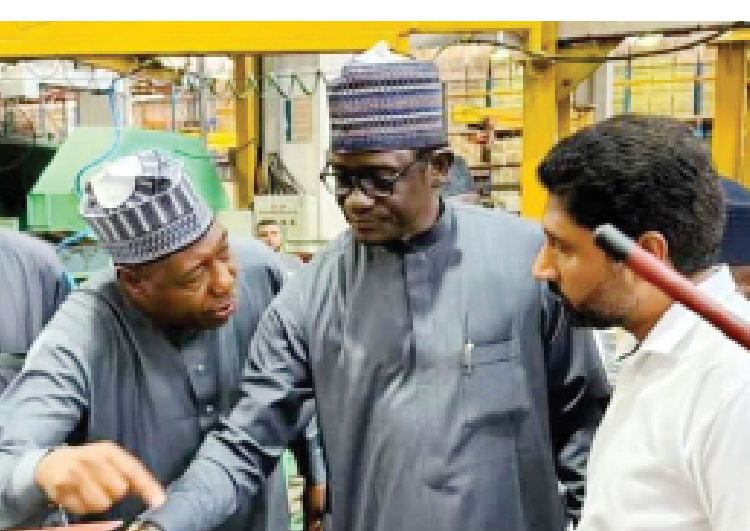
494, 398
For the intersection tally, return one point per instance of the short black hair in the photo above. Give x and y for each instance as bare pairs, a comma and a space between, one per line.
642, 173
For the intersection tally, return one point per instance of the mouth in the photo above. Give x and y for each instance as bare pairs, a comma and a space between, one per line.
224, 311
364, 225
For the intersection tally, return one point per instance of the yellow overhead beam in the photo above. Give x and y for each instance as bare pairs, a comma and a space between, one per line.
742, 35
75, 39
569, 74
731, 108
539, 119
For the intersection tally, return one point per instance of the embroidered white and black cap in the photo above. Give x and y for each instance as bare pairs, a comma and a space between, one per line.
144, 206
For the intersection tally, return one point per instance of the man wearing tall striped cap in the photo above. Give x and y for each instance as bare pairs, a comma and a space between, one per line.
142, 362
451, 393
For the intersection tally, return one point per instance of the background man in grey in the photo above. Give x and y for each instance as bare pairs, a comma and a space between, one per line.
450, 392
147, 358
270, 233
671, 452
34, 284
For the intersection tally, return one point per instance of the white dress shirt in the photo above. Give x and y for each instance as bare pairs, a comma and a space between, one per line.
673, 450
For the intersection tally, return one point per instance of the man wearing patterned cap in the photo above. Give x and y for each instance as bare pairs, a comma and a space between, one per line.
141, 363
451, 393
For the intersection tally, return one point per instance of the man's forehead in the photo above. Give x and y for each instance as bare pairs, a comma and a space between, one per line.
557, 221
555, 214
202, 247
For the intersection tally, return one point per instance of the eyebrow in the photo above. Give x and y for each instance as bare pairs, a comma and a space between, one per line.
551, 235
222, 242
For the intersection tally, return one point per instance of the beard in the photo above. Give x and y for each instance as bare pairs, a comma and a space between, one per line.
585, 317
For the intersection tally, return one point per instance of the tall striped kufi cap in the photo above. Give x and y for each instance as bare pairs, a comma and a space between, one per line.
383, 102
144, 207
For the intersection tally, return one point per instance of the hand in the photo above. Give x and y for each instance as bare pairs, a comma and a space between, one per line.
315, 500
93, 477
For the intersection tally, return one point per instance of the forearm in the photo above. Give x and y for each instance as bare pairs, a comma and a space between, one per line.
200, 501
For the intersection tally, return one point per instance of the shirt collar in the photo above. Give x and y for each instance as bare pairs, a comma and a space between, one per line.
678, 321
436, 233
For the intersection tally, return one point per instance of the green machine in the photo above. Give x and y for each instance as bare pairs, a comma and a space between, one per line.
52, 204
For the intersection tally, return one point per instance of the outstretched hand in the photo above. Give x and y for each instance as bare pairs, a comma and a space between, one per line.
91, 478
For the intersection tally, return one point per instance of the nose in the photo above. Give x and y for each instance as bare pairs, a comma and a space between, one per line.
224, 275
543, 267
357, 200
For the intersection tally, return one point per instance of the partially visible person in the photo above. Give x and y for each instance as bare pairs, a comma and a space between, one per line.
34, 284
142, 361
735, 245
270, 233
458, 184
671, 452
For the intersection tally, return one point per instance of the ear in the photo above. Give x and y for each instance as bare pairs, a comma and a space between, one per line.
437, 168
656, 244
441, 162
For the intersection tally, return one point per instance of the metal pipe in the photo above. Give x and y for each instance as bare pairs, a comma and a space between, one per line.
173, 108
681, 289
203, 94
667, 32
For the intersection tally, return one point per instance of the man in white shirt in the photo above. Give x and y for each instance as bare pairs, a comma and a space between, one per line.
672, 451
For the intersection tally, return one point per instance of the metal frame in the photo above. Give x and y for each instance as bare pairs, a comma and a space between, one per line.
730, 117
545, 82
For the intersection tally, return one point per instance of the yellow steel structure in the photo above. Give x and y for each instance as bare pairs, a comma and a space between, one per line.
740, 35
730, 118
539, 119
544, 83
570, 74
563, 117
509, 117
78, 39
247, 127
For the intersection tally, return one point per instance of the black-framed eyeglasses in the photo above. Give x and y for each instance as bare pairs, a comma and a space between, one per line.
373, 181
